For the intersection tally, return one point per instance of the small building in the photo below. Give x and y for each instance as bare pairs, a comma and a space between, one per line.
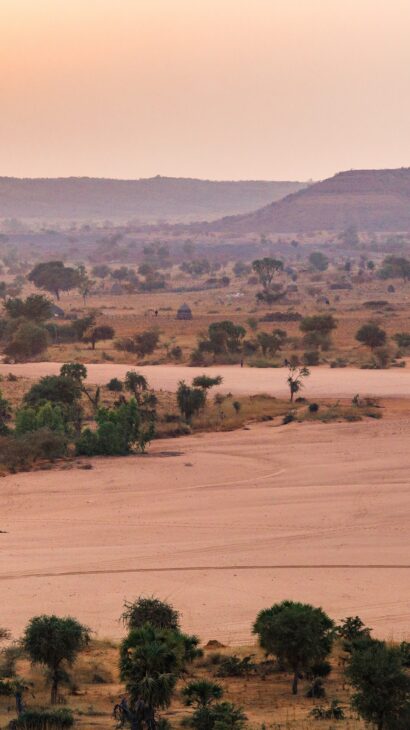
57, 311
184, 312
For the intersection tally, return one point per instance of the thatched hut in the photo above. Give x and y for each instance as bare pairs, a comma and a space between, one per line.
184, 312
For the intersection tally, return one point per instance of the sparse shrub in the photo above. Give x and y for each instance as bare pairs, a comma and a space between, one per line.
20, 453
338, 363
316, 689
333, 712
27, 340
313, 407
190, 400
311, 357
43, 720
234, 666
382, 357
143, 343
402, 339
176, 352
218, 716
371, 335
115, 385
288, 418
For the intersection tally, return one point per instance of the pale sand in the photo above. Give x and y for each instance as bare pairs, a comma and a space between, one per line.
203, 515
323, 381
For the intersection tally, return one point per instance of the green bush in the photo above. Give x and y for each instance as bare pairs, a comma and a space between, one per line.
115, 385
27, 340
311, 357
43, 720
46, 416
119, 431
234, 666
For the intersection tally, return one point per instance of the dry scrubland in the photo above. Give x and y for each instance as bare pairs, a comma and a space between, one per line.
265, 701
132, 313
240, 512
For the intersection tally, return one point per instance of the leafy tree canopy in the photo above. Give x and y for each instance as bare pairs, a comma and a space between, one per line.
150, 610
382, 687
52, 641
54, 277
298, 634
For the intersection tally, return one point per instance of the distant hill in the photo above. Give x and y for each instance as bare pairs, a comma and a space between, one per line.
376, 200
147, 200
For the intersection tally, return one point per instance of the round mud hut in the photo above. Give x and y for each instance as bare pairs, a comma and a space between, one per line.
184, 312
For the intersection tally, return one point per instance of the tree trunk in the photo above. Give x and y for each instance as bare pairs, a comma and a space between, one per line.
19, 703
295, 683
54, 691
93, 344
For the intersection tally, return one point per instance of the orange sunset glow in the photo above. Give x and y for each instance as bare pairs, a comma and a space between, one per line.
285, 89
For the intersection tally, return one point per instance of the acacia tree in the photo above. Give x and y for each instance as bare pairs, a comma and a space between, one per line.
295, 379
266, 269
55, 642
298, 634
206, 383
100, 332
54, 277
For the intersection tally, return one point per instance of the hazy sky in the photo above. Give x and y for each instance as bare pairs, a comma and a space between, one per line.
224, 89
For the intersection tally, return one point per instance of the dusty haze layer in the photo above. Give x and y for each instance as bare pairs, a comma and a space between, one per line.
220, 524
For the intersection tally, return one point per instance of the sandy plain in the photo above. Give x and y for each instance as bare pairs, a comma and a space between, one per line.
323, 381
221, 524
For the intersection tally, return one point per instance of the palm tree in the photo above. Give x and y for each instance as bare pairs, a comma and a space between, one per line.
201, 693
151, 661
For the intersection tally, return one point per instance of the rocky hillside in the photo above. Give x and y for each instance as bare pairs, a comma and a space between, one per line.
145, 200
376, 200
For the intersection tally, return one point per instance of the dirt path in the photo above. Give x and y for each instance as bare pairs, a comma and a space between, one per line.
220, 524
324, 381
